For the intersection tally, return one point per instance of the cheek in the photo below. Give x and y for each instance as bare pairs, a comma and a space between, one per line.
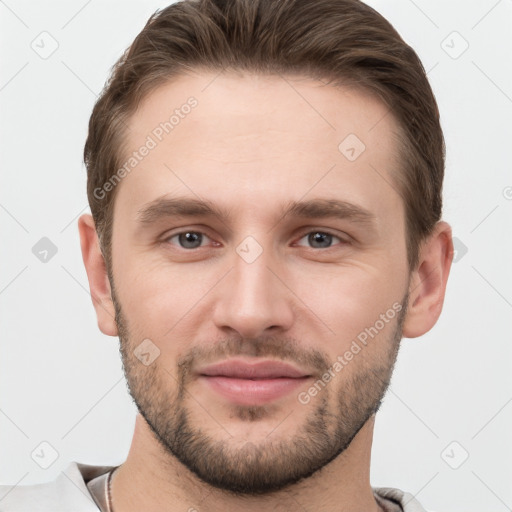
159, 300
351, 300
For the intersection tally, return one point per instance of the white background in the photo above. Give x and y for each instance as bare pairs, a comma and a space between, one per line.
61, 380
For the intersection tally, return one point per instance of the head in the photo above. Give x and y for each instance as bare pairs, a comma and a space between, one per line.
265, 183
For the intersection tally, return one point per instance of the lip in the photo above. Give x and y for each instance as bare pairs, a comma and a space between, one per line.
246, 383
267, 369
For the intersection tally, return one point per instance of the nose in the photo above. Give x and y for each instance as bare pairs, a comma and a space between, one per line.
254, 299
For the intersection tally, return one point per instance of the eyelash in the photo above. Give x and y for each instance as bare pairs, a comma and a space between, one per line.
305, 234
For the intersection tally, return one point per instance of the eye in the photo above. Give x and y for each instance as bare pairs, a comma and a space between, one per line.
319, 239
188, 239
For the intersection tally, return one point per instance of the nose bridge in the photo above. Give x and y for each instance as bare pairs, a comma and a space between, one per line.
252, 299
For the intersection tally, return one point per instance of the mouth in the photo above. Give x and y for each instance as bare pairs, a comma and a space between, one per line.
258, 383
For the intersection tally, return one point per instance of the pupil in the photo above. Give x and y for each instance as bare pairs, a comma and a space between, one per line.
190, 240
320, 239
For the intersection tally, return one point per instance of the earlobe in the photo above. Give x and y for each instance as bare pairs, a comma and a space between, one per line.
99, 284
428, 282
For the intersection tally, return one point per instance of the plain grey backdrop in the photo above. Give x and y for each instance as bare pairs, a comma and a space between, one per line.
443, 432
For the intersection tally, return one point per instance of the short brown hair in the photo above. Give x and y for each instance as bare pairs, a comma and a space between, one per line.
342, 41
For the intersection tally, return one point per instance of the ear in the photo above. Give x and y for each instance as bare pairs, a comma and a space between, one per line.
428, 282
97, 275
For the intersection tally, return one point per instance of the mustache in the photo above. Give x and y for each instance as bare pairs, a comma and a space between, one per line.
285, 349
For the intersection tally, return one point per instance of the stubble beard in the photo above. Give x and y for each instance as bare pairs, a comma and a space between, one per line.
276, 463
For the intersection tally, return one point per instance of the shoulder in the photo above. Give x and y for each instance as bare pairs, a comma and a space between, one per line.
67, 492
405, 500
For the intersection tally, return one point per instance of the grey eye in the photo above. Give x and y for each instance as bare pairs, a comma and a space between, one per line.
318, 240
189, 239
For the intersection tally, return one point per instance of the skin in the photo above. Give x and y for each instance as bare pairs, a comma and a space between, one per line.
252, 145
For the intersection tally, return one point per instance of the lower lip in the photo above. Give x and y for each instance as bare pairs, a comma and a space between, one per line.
253, 392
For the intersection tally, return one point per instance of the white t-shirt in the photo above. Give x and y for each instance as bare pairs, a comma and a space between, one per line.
71, 492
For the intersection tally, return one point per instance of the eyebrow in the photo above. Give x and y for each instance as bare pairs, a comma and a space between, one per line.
324, 208
166, 207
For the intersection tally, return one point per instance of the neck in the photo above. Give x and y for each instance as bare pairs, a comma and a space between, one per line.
153, 480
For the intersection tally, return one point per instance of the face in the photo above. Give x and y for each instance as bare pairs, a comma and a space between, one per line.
259, 273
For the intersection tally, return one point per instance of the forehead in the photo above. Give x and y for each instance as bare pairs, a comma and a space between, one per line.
258, 137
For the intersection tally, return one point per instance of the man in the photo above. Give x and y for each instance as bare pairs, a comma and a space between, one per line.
265, 184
